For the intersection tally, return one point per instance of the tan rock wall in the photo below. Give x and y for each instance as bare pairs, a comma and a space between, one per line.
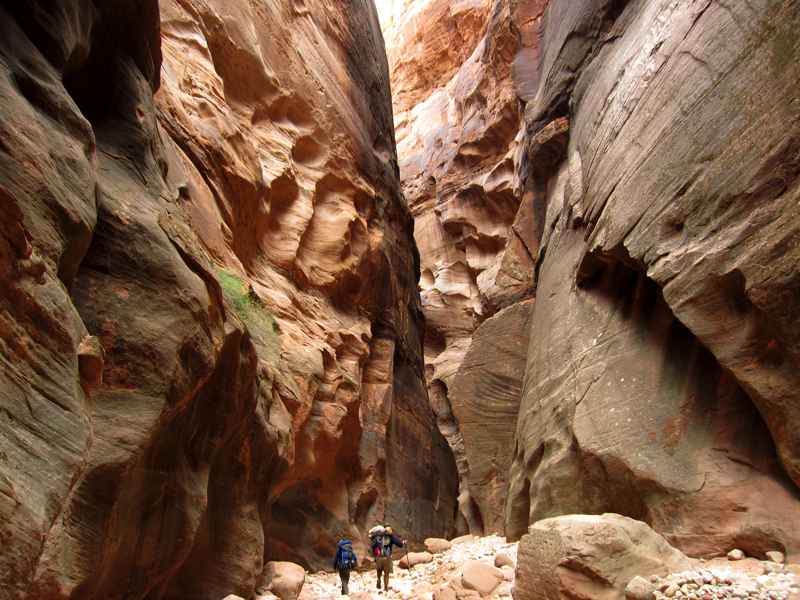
660, 376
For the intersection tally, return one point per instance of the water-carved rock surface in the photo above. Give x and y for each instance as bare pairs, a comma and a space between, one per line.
457, 119
299, 193
486, 396
662, 371
211, 337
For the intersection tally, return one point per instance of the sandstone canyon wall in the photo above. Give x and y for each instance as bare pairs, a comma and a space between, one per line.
211, 337
605, 195
662, 373
457, 120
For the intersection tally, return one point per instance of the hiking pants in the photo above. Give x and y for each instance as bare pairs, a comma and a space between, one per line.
344, 575
384, 566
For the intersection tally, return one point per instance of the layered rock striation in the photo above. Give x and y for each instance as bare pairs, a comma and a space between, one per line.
634, 167
211, 337
660, 378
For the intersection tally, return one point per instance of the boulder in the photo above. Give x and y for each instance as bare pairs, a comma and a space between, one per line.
481, 577
555, 556
639, 588
463, 539
501, 559
414, 558
444, 592
776, 556
437, 545
284, 579
736, 554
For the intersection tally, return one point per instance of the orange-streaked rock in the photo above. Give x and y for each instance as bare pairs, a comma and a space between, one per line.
210, 322
457, 119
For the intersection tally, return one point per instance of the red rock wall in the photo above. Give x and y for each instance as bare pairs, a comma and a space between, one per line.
457, 118
210, 330
661, 374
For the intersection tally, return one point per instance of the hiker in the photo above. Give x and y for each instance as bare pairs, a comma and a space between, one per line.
381, 541
344, 562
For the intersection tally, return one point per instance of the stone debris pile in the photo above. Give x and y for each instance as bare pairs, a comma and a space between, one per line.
719, 583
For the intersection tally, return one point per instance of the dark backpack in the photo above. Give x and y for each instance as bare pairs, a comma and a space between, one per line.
381, 545
376, 545
347, 558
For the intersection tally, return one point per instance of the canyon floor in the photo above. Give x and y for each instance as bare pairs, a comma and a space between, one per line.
422, 579
484, 567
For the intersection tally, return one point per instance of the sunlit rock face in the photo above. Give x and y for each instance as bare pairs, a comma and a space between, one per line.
211, 335
457, 118
662, 372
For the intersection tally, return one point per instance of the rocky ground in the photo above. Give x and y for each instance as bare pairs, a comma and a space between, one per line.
457, 571
484, 567
716, 580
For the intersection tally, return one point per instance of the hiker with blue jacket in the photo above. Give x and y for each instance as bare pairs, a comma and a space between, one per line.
382, 539
344, 562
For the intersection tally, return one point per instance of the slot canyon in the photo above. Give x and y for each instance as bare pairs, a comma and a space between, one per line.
519, 278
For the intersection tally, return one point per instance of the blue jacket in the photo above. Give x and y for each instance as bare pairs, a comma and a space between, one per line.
342, 547
394, 542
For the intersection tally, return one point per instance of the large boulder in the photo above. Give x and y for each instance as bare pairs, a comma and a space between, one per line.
437, 545
590, 556
414, 558
283, 579
481, 577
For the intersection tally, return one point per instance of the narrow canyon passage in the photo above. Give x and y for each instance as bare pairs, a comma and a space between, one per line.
517, 277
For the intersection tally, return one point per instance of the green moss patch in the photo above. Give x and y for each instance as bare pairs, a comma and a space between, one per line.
259, 321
